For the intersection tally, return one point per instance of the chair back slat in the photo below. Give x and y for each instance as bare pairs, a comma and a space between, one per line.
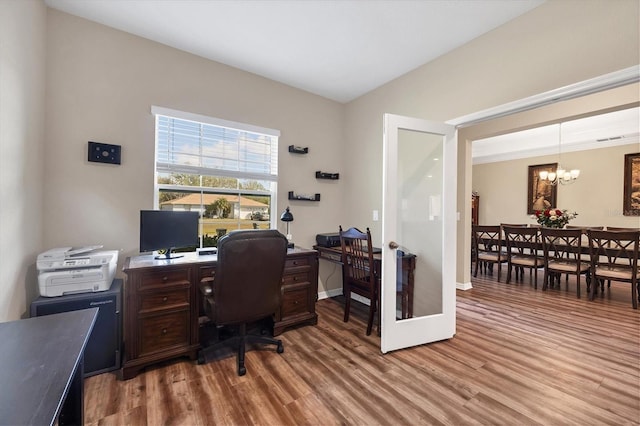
520, 239
357, 254
488, 237
614, 247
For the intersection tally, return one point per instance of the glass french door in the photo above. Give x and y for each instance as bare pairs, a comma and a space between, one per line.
418, 232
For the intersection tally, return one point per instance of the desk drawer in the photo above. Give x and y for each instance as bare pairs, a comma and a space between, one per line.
164, 331
296, 262
165, 277
295, 301
295, 278
161, 300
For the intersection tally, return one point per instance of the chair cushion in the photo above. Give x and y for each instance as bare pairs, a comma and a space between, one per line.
613, 272
561, 266
491, 257
526, 260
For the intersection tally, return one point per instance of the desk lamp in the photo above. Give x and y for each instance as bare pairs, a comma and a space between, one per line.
287, 217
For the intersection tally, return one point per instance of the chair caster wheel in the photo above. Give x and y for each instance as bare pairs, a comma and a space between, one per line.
242, 371
280, 348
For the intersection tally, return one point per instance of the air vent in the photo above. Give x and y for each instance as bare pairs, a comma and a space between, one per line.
614, 138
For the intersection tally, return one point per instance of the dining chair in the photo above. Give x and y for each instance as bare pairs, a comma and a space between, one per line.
585, 240
358, 271
562, 254
489, 250
523, 251
614, 257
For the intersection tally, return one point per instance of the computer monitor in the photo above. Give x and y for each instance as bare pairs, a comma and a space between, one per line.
168, 230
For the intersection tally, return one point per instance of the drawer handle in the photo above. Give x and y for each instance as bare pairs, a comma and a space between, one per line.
164, 331
164, 299
295, 278
165, 279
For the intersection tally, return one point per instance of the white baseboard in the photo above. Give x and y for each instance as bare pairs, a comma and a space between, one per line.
360, 299
338, 292
464, 286
330, 293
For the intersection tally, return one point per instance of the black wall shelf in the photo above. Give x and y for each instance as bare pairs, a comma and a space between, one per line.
298, 149
325, 175
315, 197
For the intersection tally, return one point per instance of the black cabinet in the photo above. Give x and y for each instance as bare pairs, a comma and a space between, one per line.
103, 351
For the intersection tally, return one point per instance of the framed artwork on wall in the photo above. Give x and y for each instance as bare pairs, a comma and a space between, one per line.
541, 194
631, 205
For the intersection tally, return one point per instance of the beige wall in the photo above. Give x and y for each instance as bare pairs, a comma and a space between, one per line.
22, 94
555, 45
596, 195
102, 84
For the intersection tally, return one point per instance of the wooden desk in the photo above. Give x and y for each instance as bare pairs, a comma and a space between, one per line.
41, 369
162, 304
404, 285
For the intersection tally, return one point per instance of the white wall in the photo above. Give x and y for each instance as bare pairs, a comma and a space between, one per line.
102, 84
22, 95
596, 196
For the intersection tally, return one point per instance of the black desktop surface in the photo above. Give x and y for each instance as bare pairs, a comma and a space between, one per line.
40, 368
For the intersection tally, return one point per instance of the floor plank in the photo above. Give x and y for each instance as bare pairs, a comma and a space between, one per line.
519, 356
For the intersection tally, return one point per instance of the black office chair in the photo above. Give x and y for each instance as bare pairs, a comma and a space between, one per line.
245, 288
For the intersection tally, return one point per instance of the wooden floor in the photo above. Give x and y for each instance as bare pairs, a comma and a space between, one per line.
520, 357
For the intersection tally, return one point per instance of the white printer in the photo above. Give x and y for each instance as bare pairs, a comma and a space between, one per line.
68, 270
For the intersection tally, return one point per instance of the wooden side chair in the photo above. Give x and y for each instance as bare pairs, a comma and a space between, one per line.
488, 244
614, 257
358, 272
523, 251
406, 265
562, 251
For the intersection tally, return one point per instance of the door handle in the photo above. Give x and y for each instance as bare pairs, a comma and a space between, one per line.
393, 245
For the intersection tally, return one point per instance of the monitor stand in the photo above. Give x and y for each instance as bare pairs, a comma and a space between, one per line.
168, 255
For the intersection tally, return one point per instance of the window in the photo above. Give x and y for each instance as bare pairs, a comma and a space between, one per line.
226, 171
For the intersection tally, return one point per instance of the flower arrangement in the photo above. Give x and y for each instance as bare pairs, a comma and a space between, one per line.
553, 218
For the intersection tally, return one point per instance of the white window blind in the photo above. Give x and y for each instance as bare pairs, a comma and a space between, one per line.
199, 145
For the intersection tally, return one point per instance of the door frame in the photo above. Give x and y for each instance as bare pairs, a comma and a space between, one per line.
607, 93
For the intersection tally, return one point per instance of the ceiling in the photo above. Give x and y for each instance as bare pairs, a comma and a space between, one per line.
600, 131
342, 49
338, 49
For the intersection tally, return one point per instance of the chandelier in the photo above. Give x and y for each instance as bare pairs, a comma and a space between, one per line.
562, 175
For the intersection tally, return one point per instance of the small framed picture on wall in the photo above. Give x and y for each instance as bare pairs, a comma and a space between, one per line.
541, 194
631, 205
